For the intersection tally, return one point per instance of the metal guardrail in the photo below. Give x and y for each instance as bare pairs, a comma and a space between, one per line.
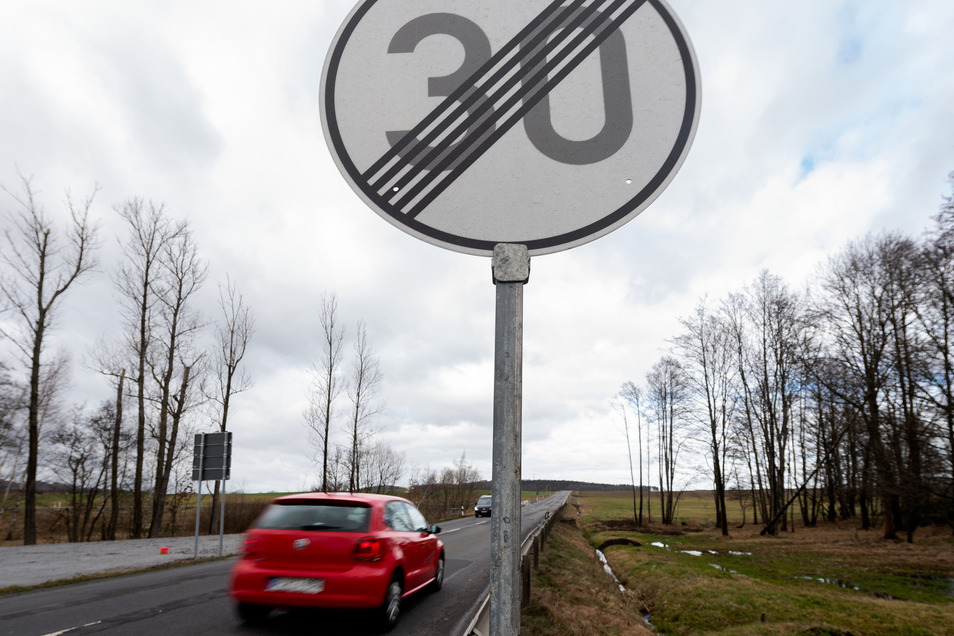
534, 543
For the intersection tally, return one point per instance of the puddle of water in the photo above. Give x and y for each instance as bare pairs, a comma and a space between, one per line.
845, 585
609, 570
666, 546
727, 570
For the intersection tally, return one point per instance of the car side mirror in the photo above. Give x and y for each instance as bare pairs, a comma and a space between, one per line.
434, 529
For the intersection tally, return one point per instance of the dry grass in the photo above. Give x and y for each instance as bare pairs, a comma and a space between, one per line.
572, 595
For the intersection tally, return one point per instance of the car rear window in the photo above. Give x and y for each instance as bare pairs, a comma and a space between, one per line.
317, 515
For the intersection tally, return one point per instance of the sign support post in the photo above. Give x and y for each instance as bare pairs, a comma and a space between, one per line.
221, 515
200, 457
511, 270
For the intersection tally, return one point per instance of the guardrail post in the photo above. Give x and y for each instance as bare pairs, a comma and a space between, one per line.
536, 552
525, 588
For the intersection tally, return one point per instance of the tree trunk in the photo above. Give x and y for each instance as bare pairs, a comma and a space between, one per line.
162, 484
29, 513
114, 478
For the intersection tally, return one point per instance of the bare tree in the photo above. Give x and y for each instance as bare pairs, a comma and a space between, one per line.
936, 315
115, 445
630, 393
81, 458
707, 349
8, 405
908, 353
11, 403
667, 395
174, 357
44, 262
111, 360
232, 336
150, 230
735, 309
12, 441
455, 486
857, 309
767, 328
52, 379
363, 392
384, 467
327, 386
465, 481
336, 470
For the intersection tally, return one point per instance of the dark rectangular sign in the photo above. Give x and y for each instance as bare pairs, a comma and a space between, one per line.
212, 459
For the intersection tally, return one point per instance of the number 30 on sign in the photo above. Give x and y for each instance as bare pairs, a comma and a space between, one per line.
547, 123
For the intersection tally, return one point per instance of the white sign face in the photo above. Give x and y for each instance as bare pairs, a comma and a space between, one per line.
547, 123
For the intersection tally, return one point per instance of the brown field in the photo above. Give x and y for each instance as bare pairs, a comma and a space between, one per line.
240, 510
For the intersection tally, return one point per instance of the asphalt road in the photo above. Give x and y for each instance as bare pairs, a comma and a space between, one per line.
193, 599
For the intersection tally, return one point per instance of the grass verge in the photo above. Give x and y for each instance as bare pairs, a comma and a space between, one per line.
572, 595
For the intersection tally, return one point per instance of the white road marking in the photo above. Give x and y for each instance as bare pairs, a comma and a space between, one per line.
479, 523
63, 631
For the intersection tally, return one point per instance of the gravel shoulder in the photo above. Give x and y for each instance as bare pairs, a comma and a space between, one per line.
31, 565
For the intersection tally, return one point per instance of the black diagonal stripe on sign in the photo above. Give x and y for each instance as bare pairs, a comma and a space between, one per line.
486, 141
474, 90
461, 93
473, 99
482, 117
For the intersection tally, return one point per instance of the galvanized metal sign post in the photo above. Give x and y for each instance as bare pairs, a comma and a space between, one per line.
492, 125
511, 270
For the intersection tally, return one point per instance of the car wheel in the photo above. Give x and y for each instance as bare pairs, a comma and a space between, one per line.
438, 581
252, 613
391, 609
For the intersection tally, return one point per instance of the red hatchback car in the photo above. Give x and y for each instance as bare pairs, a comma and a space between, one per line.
336, 550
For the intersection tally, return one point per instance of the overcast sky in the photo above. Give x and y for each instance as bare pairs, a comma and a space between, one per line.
821, 121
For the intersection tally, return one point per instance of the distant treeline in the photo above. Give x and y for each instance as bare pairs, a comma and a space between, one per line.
554, 485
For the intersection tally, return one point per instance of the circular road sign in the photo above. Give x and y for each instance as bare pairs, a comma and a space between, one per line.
547, 123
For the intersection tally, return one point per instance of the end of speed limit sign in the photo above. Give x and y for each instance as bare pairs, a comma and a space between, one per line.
547, 123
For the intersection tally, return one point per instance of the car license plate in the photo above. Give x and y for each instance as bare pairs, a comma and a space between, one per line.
298, 586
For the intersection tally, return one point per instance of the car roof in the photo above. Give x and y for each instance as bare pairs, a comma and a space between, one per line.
342, 497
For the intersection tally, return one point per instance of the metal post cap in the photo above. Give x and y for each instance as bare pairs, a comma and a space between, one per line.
511, 263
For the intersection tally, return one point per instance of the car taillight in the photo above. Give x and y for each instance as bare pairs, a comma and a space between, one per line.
369, 549
251, 545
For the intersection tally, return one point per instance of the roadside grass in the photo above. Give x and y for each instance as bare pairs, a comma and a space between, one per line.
572, 595
832, 579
